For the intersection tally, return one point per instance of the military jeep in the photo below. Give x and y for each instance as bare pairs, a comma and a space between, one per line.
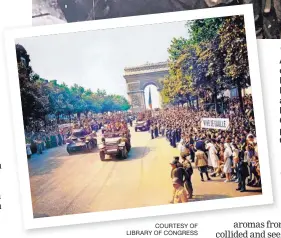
115, 144
142, 126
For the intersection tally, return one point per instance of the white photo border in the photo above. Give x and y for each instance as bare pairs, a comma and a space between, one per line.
19, 139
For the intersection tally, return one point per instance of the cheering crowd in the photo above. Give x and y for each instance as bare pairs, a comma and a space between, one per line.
231, 154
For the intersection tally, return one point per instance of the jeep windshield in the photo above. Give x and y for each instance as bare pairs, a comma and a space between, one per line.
112, 135
79, 133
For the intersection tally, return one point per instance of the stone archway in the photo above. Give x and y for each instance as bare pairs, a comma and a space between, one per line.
137, 78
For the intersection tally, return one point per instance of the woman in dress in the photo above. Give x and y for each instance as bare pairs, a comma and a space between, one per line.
228, 154
212, 156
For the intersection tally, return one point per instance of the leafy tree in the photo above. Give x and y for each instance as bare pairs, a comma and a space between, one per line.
34, 104
214, 58
204, 30
41, 97
177, 48
233, 42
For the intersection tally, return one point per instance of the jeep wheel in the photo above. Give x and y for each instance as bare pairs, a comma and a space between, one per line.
69, 151
90, 146
124, 153
102, 155
128, 147
95, 143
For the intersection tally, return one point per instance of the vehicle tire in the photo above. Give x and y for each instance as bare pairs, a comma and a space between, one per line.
68, 151
136, 129
90, 146
124, 153
119, 154
95, 143
128, 147
102, 155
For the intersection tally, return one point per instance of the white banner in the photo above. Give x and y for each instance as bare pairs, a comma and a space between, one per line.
215, 123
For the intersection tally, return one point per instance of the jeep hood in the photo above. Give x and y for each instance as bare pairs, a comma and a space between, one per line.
112, 140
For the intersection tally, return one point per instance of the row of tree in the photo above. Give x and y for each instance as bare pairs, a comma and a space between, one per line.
41, 97
212, 59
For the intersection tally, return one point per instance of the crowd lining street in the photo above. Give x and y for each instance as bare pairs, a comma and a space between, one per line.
63, 184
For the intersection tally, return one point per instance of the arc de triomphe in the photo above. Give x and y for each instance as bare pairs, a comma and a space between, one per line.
137, 78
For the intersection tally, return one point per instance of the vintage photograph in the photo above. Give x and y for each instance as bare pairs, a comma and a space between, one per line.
109, 125
267, 12
148, 115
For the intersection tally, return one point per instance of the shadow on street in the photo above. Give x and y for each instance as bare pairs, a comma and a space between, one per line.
134, 154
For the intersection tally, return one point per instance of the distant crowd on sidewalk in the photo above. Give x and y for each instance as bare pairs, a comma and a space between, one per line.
40, 137
48, 137
231, 154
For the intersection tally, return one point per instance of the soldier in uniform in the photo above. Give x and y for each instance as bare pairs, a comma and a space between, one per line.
178, 134
179, 194
152, 131
156, 130
178, 173
177, 170
190, 145
125, 139
168, 133
173, 138
189, 171
242, 173
201, 162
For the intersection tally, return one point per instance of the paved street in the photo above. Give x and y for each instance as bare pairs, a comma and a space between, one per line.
63, 184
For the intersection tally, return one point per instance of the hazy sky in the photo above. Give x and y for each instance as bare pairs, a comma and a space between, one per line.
96, 59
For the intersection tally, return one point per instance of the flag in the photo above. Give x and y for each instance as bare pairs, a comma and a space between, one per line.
149, 100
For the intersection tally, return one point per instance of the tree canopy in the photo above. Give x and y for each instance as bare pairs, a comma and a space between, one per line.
210, 60
41, 97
